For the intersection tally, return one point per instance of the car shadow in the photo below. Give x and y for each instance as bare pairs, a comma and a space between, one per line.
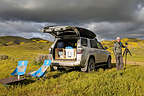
59, 73
65, 71
113, 65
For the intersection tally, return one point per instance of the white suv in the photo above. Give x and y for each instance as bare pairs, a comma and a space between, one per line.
76, 47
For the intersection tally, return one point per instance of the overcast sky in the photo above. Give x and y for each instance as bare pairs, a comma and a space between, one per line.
107, 18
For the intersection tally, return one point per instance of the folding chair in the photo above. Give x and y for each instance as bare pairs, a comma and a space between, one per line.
20, 70
42, 70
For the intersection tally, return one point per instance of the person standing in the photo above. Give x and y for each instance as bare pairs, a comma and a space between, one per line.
118, 53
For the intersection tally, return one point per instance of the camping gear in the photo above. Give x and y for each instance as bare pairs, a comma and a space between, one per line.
69, 52
65, 54
41, 71
20, 70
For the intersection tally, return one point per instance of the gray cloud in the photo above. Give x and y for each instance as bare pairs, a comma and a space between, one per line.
107, 18
67, 10
104, 30
107, 30
24, 29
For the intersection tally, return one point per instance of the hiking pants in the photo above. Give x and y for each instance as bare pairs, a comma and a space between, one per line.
119, 61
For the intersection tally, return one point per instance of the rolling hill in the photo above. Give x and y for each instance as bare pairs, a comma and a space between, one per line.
15, 40
136, 47
109, 82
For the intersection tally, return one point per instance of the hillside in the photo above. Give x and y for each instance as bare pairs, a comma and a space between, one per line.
136, 46
109, 82
6, 39
15, 40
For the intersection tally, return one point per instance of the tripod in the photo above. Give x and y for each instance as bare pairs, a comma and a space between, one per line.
126, 51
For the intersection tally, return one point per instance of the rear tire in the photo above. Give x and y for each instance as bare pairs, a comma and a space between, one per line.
84, 69
91, 65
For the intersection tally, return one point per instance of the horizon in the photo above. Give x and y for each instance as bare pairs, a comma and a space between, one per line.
53, 39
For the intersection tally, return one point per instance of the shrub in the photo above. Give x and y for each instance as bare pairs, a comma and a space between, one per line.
40, 59
3, 57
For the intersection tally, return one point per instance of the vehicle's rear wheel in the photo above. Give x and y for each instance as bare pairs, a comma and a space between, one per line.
108, 63
91, 65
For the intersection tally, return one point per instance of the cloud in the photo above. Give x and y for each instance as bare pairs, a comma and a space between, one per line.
108, 30
140, 15
107, 18
24, 29
67, 10
103, 30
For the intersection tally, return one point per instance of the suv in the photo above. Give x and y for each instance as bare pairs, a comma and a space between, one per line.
76, 47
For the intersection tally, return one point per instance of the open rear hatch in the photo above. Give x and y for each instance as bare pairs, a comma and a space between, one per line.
66, 31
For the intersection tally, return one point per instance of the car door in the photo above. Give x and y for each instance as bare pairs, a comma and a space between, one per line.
95, 51
84, 46
103, 52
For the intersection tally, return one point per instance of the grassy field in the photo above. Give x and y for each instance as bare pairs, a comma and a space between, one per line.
108, 82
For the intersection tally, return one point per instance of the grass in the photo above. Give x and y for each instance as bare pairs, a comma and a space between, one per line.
108, 82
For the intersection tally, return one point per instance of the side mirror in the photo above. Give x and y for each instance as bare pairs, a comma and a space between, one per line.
105, 48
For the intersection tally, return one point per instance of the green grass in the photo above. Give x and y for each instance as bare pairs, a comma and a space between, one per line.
101, 83
108, 82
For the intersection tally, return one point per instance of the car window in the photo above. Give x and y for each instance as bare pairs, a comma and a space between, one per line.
93, 44
99, 45
84, 42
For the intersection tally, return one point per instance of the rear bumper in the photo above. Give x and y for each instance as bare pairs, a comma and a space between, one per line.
66, 63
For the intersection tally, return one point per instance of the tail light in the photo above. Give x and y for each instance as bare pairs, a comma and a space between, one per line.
80, 51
